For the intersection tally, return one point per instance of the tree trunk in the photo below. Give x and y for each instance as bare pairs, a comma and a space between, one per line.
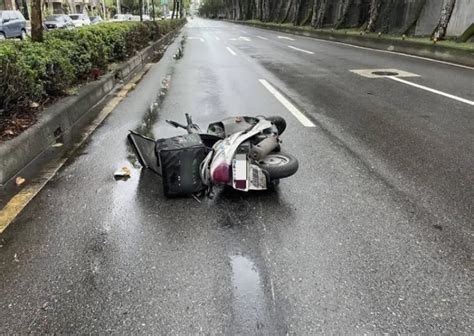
446, 12
266, 10
152, 9
345, 10
26, 14
321, 13
315, 12
36, 21
174, 9
287, 12
309, 15
374, 14
410, 24
296, 12
140, 3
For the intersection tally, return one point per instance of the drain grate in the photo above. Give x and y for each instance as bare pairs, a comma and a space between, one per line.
385, 73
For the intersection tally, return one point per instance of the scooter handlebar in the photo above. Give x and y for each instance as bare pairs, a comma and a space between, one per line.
175, 124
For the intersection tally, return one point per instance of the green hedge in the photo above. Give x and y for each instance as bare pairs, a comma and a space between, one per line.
31, 71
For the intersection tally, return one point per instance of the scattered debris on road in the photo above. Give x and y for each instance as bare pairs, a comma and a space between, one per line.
123, 173
19, 180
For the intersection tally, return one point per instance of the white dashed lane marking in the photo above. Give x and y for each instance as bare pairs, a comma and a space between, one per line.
286, 38
231, 51
286, 103
302, 50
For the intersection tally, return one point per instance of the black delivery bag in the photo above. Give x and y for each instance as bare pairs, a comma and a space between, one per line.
180, 159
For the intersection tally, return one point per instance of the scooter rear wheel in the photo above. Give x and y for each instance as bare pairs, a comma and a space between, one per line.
279, 165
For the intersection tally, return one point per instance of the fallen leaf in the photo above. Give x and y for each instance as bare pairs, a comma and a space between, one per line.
9, 132
19, 180
34, 105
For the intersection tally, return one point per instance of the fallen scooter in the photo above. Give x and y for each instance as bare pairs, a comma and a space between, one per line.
241, 152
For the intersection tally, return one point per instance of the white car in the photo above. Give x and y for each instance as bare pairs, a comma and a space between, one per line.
122, 17
61, 21
80, 20
144, 16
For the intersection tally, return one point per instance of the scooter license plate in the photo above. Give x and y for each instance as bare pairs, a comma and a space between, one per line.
240, 172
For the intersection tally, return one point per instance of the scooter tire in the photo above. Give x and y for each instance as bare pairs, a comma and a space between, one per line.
279, 123
279, 165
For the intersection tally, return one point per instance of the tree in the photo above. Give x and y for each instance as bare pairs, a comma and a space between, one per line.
36, 21
346, 4
374, 14
174, 9
319, 11
446, 12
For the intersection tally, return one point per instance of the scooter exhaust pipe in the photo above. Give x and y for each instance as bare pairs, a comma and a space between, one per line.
263, 148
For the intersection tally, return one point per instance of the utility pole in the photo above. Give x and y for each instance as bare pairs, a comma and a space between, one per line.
153, 8
118, 7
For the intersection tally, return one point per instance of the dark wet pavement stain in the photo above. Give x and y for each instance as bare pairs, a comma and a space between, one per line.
249, 305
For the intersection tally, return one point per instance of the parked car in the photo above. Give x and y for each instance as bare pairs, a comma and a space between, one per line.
96, 19
12, 25
137, 17
59, 21
122, 17
80, 20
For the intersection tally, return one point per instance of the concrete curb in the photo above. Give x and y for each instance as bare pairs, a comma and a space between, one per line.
437, 52
67, 114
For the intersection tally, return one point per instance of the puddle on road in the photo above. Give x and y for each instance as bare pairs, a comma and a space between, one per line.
250, 313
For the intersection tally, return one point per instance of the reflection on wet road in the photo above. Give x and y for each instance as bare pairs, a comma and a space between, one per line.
250, 308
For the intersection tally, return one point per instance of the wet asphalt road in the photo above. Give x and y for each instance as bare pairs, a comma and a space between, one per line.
372, 235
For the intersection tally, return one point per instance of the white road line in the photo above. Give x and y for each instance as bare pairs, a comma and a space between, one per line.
302, 50
441, 93
262, 38
217, 38
243, 38
289, 106
285, 38
231, 51
196, 38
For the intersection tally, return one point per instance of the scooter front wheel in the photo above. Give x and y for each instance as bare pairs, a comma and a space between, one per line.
279, 123
279, 165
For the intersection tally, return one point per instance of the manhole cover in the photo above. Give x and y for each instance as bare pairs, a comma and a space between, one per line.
385, 73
